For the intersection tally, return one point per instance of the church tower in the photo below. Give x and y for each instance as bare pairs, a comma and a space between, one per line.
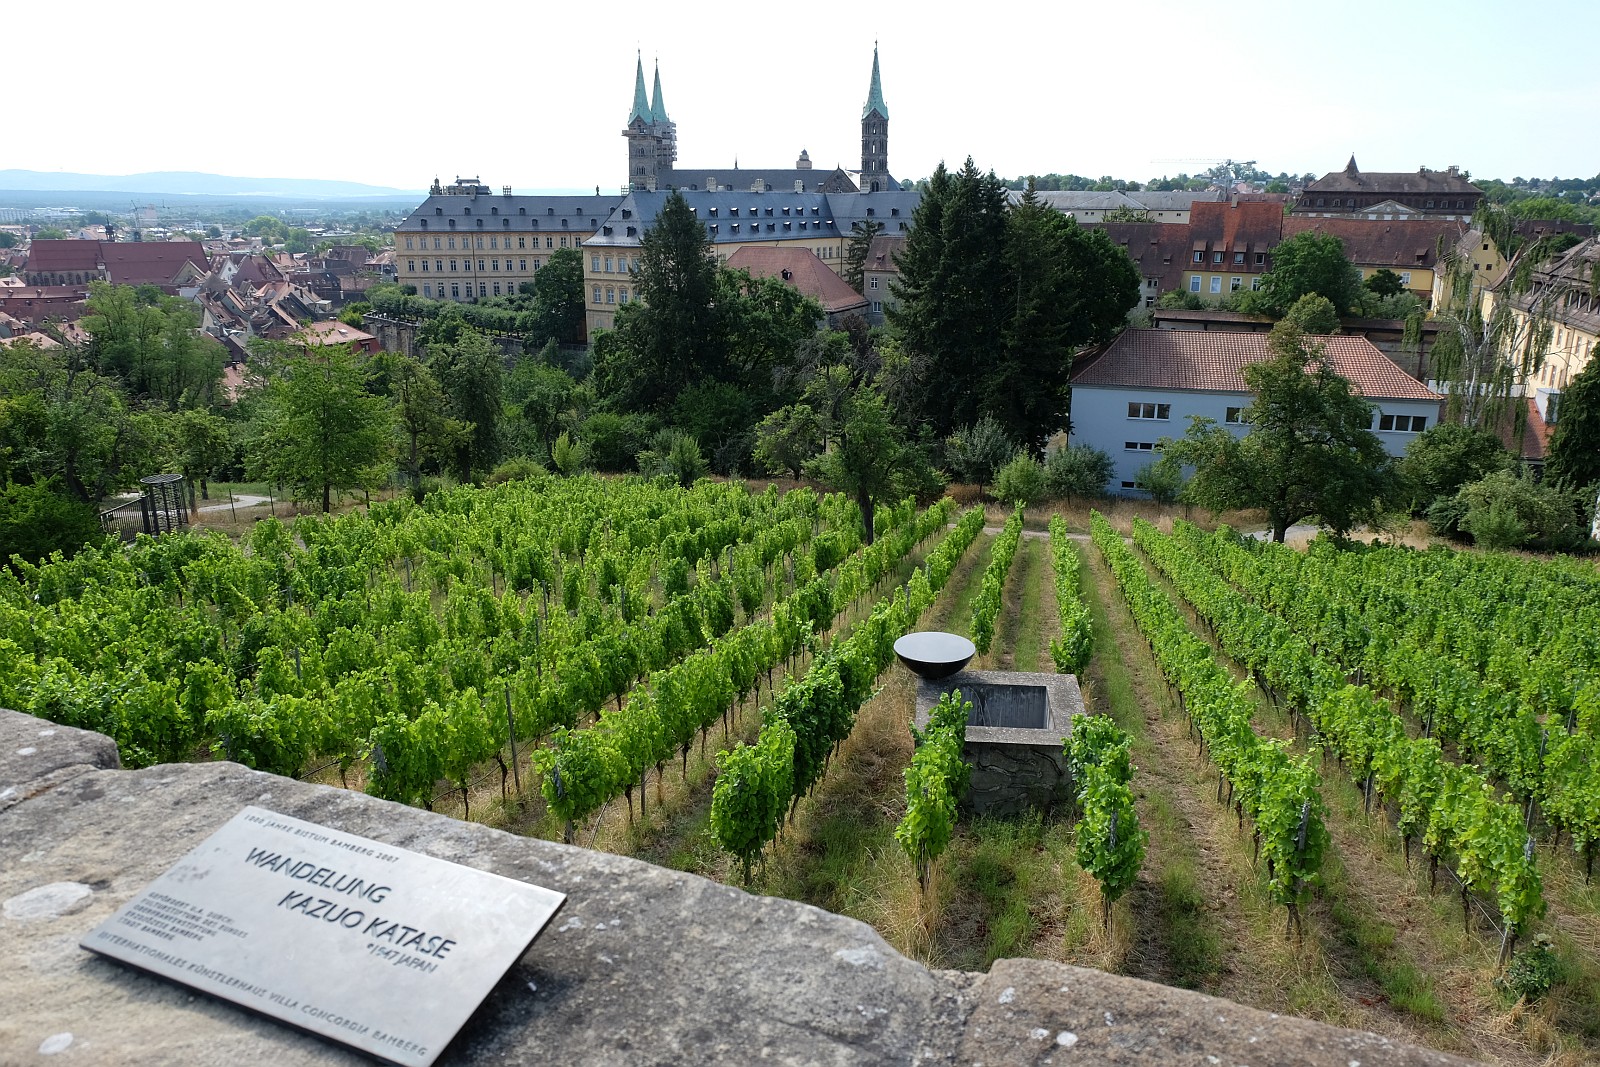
666, 131
874, 135
642, 162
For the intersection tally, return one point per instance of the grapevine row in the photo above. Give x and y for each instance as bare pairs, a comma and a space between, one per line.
936, 779
1277, 791
1454, 809
1072, 649
1110, 845
757, 784
986, 607
584, 769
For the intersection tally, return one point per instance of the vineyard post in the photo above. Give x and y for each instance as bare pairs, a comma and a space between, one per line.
511, 727
1105, 900
1299, 882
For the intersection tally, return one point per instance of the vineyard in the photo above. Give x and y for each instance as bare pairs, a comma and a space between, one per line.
1359, 783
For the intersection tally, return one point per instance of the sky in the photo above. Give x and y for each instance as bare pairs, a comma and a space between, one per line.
535, 96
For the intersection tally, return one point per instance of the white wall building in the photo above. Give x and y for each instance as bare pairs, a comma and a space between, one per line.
1148, 384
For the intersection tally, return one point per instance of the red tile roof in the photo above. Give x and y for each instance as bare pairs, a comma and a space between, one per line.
1399, 244
334, 332
800, 268
57, 256
1213, 362
152, 262
1248, 226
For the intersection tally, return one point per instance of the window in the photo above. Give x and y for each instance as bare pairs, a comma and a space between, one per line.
1194, 283
1255, 285
483, 289
408, 242
1216, 283
1233, 416
494, 242
1199, 257
1238, 257
452, 243
522, 242
550, 242
1130, 485
622, 295
411, 266
1138, 410
1428, 204
452, 266
611, 295
1138, 446
597, 294
873, 284
594, 264
496, 288
480, 239
877, 306
480, 264
563, 240
438, 265
427, 288
1403, 423
522, 265
1216, 257
1235, 284
608, 264
1405, 277
455, 291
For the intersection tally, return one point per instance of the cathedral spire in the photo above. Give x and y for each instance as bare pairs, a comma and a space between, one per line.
658, 106
875, 90
641, 103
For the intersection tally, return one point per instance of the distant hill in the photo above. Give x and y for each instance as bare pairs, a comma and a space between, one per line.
192, 183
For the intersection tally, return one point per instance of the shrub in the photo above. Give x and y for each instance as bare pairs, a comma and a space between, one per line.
516, 469
1532, 971
36, 521
1021, 481
1079, 471
614, 440
675, 454
568, 455
974, 453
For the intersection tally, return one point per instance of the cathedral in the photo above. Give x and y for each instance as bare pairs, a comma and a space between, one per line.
653, 152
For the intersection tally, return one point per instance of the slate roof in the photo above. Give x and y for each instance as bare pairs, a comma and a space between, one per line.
508, 214
892, 207
760, 217
1421, 180
1213, 362
776, 179
800, 268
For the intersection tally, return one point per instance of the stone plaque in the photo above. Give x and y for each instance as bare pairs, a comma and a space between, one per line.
376, 947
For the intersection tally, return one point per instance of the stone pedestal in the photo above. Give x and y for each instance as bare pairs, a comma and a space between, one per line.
1015, 732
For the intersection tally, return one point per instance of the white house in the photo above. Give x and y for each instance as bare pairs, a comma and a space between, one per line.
1148, 384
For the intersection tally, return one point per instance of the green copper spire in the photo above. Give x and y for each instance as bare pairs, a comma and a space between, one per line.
875, 92
641, 105
658, 109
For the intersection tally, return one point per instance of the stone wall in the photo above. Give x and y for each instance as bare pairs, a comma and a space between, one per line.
643, 966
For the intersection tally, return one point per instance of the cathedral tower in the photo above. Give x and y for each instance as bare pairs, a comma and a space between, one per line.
874, 135
652, 136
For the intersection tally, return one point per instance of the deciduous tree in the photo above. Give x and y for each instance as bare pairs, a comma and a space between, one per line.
1310, 450
1311, 262
319, 429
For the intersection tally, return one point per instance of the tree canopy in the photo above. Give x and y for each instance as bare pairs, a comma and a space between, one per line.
1311, 262
1575, 443
1309, 452
319, 429
994, 300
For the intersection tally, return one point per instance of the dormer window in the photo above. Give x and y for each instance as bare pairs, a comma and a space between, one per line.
438, 211
734, 212
871, 211
452, 224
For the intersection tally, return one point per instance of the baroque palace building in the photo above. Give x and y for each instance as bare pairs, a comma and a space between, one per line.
466, 242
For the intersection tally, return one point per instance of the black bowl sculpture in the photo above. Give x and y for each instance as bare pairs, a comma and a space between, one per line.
932, 654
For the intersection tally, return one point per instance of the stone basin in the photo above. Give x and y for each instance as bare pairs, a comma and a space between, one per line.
1015, 731
933, 654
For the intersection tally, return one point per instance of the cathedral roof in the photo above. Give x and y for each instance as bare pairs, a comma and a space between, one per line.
875, 91
658, 108
641, 103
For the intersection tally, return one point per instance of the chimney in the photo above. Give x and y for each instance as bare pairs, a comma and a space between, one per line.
711, 183
505, 190
799, 185
1453, 170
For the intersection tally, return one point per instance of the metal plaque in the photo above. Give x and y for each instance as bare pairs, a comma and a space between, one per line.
376, 947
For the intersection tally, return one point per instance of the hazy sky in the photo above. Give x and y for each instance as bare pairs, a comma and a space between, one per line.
535, 95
